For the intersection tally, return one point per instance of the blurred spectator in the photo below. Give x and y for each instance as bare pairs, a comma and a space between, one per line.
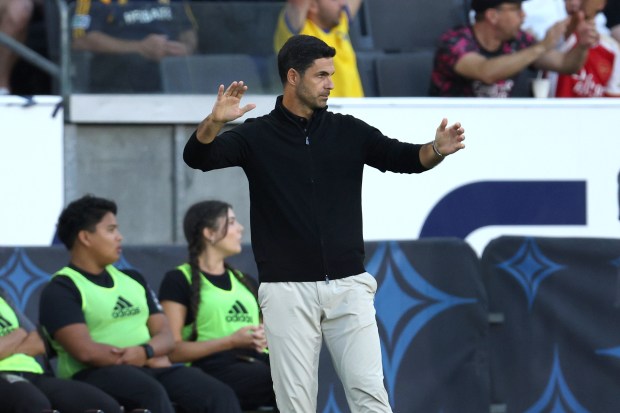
600, 75
14, 18
612, 12
24, 385
484, 59
541, 14
329, 21
129, 38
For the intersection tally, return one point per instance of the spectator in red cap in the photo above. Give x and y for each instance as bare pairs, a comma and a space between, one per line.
485, 58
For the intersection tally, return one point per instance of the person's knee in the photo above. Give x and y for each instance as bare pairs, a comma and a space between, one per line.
110, 405
223, 391
32, 405
27, 398
370, 393
153, 391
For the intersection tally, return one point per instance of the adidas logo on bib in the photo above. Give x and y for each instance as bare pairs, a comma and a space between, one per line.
238, 314
124, 308
5, 326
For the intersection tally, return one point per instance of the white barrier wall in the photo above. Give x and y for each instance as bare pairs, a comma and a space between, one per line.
543, 167
31, 169
507, 140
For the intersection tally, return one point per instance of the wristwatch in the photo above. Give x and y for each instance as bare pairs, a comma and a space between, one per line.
148, 349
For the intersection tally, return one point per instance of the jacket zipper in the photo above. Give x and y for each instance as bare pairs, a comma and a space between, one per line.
322, 244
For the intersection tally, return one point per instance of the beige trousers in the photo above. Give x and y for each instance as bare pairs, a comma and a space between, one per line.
298, 316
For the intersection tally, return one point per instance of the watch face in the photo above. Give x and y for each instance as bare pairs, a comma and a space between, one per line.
148, 350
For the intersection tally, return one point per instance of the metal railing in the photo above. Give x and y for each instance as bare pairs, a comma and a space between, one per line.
58, 71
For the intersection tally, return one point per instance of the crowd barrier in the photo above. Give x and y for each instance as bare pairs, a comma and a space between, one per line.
531, 326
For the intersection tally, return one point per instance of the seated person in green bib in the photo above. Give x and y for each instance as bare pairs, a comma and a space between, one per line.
108, 328
25, 387
212, 308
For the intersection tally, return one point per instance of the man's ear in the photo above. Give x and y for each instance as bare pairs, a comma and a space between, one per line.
83, 237
292, 77
491, 15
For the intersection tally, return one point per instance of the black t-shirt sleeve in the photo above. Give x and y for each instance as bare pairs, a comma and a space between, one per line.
60, 305
174, 287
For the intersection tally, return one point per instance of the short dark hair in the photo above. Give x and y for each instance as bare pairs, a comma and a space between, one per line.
479, 6
299, 53
82, 214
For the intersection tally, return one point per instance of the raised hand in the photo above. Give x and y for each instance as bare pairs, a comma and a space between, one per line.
449, 140
227, 106
225, 109
587, 35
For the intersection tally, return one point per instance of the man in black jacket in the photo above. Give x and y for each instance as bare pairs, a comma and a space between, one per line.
304, 166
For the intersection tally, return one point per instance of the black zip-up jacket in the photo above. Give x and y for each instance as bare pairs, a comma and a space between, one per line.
305, 187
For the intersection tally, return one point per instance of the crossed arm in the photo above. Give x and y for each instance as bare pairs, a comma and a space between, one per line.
20, 341
77, 341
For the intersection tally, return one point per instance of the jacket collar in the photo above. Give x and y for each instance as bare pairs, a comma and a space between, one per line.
281, 111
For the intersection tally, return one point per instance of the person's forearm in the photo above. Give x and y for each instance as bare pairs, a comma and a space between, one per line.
32, 345
296, 13
162, 343
574, 60
186, 351
506, 66
10, 342
102, 43
429, 158
94, 354
354, 6
208, 129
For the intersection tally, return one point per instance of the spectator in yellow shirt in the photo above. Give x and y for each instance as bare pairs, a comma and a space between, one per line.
329, 21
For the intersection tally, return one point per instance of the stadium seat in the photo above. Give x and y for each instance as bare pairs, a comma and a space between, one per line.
204, 73
236, 26
404, 74
405, 25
